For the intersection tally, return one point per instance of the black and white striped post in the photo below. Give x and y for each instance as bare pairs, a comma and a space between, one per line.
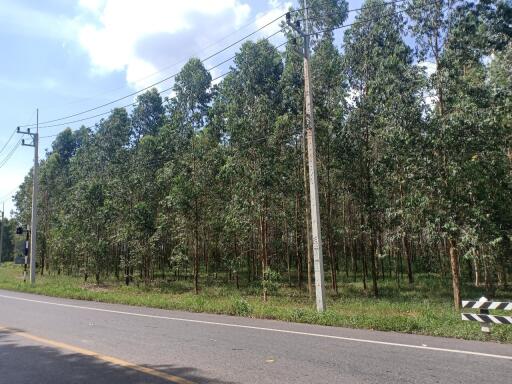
484, 317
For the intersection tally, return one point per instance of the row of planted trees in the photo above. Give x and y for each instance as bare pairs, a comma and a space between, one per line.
414, 167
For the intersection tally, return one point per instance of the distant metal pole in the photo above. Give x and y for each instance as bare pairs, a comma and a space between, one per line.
2, 234
35, 189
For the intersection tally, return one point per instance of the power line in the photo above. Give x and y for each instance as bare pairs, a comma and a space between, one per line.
8, 141
175, 74
164, 69
229, 59
275, 33
12, 135
160, 93
373, 19
163, 80
223, 62
356, 9
160, 81
10, 154
94, 125
133, 104
124, 106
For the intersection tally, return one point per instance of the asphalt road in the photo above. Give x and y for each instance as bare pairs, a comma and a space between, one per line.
50, 340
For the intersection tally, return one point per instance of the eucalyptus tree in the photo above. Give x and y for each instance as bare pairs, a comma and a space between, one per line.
95, 170
322, 18
149, 114
189, 112
329, 92
9, 240
473, 188
218, 172
291, 127
378, 68
252, 97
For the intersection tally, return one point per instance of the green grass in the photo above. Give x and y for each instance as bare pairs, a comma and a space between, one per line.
425, 308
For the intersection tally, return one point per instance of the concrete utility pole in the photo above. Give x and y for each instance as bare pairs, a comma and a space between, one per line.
35, 189
318, 261
2, 233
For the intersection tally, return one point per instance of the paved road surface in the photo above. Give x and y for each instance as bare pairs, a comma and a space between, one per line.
50, 340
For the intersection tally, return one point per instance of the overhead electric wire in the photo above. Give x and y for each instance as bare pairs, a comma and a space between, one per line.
372, 19
124, 106
354, 9
102, 114
10, 154
8, 141
229, 59
163, 80
209, 57
164, 69
135, 103
166, 78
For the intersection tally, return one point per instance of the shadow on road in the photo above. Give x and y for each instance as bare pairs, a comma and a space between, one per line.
23, 361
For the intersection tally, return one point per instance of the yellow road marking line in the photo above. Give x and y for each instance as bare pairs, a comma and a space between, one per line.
99, 356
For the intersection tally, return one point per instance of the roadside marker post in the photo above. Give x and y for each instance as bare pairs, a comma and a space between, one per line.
484, 317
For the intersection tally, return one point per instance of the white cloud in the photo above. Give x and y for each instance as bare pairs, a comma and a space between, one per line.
278, 8
137, 69
92, 5
112, 42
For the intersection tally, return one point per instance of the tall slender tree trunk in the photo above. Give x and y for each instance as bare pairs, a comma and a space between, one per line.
477, 272
263, 244
196, 250
373, 251
334, 283
405, 243
365, 265
298, 256
454, 263
286, 247
408, 257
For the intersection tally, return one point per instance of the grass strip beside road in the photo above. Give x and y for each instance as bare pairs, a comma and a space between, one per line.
423, 309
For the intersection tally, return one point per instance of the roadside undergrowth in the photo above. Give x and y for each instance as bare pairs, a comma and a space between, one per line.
424, 308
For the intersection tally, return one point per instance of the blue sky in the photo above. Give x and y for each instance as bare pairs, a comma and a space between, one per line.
65, 56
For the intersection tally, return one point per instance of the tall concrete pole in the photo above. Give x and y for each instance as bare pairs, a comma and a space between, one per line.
318, 261
2, 233
35, 189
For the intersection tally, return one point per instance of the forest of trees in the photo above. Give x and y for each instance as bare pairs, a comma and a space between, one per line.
415, 165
